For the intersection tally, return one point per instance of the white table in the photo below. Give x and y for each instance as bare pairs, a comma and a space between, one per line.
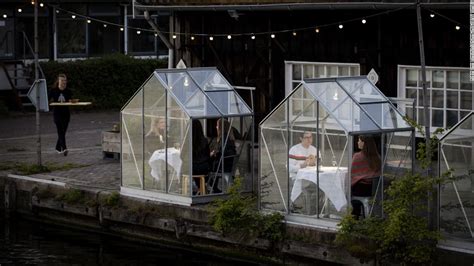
331, 182
158, 159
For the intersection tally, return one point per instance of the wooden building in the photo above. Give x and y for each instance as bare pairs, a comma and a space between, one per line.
309, 31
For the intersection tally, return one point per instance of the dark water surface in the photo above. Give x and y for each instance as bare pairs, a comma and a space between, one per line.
24, 242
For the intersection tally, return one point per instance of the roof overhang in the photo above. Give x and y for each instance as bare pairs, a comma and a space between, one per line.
284, 5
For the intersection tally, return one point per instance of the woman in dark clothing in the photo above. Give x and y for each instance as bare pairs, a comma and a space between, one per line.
200, 151
60, 93
225, 135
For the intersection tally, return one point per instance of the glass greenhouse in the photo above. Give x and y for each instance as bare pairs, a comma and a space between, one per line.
456, 198
308, 141
186, 135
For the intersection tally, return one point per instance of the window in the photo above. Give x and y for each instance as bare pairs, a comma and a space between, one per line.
104, 39
141, 42
296, 72
449, 93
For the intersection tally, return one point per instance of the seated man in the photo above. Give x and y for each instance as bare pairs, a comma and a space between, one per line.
302, 155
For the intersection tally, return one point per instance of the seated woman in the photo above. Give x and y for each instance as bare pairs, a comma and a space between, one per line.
156, 137
365, 167
222, 162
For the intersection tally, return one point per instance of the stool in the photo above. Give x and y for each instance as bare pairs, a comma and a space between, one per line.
201, 180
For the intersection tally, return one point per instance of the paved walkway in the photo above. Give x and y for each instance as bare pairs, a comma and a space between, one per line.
18, 143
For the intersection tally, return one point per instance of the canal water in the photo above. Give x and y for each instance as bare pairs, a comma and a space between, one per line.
32, 243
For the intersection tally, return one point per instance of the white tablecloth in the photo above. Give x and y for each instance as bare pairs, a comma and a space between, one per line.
331, 182
157, 161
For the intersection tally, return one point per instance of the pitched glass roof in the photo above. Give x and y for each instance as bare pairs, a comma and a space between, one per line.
202, 92
365, 107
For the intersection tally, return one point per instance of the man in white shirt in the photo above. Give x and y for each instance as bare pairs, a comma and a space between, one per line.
303, 155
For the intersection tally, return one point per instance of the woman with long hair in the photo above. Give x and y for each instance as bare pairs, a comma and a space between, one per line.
60, 93
366, 165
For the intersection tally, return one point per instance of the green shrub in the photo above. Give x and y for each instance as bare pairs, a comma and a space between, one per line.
112, 199
238, 217
107, 82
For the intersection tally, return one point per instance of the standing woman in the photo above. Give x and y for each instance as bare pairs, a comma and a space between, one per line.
60, 93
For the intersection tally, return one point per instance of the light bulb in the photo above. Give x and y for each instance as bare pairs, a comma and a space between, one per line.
32, 2
156, 34
364, 21
139, 32
316, 30
294, 33
57, 11
341, 26
273, 36
73, 16
458, 27
174, 36
121, 29
253, 37
211, 38
89, 21
192, 38
41, 5
105, 25
229, 37
432, 15
20, 10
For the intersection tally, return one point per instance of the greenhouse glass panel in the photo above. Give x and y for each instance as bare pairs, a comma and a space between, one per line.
210, 80
132, 142
155, 132
273, 161
456, 200
228, 102
362, 90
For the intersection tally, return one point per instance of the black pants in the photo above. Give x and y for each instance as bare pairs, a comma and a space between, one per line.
62, 122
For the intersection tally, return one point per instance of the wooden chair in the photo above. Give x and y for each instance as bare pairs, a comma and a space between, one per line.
200, 179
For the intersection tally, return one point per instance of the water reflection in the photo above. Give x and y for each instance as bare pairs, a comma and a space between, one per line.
27, 242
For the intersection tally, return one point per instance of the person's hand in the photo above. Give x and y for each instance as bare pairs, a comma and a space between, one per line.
311, 160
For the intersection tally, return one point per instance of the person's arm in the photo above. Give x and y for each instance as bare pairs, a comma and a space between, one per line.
296, 161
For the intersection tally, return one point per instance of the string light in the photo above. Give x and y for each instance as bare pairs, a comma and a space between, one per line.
20, 10
5, 16
156, 34
243, 34
105, 25
41, 5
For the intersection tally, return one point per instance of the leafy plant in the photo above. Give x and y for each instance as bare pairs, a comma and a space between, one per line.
112, 199
403, 235
238, 217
